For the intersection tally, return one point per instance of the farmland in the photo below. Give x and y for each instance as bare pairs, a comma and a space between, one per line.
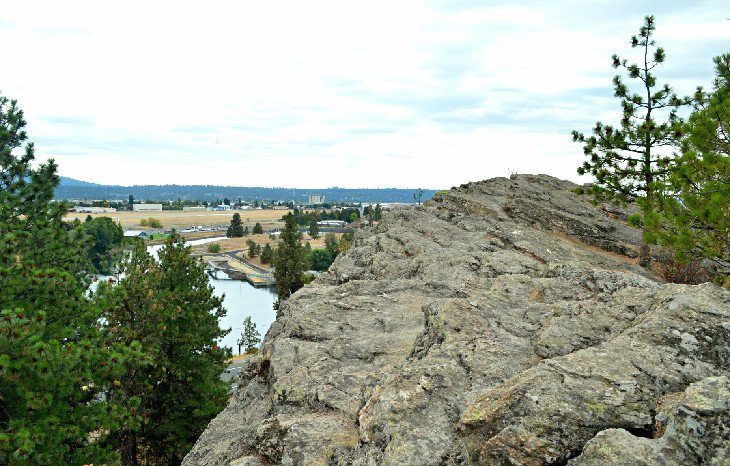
181, 220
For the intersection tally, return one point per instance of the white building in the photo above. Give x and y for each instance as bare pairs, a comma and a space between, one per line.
222, 207
135, 233
146, 207
316, 199
332, 223
94, 210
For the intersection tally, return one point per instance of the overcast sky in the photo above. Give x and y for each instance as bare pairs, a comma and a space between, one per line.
402, 93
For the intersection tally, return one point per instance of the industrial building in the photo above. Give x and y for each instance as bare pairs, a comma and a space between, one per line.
316, 199
332, 223
94, 210
146, 207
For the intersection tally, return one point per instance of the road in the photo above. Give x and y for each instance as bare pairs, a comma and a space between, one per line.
233, 370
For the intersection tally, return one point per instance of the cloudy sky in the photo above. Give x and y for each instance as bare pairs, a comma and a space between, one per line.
430, 93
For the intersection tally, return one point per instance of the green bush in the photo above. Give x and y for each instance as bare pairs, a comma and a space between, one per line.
214, 248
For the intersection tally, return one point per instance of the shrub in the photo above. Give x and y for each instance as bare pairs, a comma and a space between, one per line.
214, 248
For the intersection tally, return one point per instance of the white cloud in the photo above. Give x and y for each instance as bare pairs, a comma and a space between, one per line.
311, 94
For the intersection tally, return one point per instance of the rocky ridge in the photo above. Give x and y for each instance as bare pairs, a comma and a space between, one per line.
506, 322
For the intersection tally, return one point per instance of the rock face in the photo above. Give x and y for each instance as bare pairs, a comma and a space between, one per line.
505, 322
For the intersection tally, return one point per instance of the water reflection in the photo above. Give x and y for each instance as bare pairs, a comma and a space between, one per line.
241, 300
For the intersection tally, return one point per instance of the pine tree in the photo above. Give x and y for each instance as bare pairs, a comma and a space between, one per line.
694, 218
54, 361
169, 307
254, 249
330, 243
321, 259
289, 261
314, 229
235, 230
250, 337
626, 161
267, 254
107, 237
258, 229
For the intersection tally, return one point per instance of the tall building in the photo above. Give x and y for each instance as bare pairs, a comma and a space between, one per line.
315, 199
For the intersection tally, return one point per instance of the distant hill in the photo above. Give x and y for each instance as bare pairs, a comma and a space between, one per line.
65, 181
75, 189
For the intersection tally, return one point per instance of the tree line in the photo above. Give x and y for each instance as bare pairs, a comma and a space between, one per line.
346, 214
677, 171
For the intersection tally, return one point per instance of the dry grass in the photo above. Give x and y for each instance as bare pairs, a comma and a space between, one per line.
180, 220
240, 357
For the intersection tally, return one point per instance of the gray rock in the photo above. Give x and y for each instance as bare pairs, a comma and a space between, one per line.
506, 322
693, 427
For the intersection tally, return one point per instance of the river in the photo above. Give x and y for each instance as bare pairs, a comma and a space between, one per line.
240, 299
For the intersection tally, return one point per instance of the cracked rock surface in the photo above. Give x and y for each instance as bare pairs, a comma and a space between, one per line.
505, 322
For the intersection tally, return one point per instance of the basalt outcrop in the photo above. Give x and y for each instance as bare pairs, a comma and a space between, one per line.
504, 322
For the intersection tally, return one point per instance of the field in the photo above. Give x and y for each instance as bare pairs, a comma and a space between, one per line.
175, 218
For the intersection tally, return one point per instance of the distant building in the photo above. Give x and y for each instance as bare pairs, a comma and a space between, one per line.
316, 199
135, 233
94, 210
222, 207
146, 207
332, 223
194, 209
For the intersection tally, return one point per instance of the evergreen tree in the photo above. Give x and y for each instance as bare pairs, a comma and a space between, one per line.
250, 337
694, 218
289, 261
321, 259
170, 308
254, 249
307, 264
107, 237
267, 254
314, 229
246, 232
258, 229
625, 160
55, 358
235, 230
378, 213
330, 243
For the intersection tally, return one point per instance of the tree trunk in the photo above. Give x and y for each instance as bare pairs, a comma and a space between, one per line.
128, 449
644, 257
